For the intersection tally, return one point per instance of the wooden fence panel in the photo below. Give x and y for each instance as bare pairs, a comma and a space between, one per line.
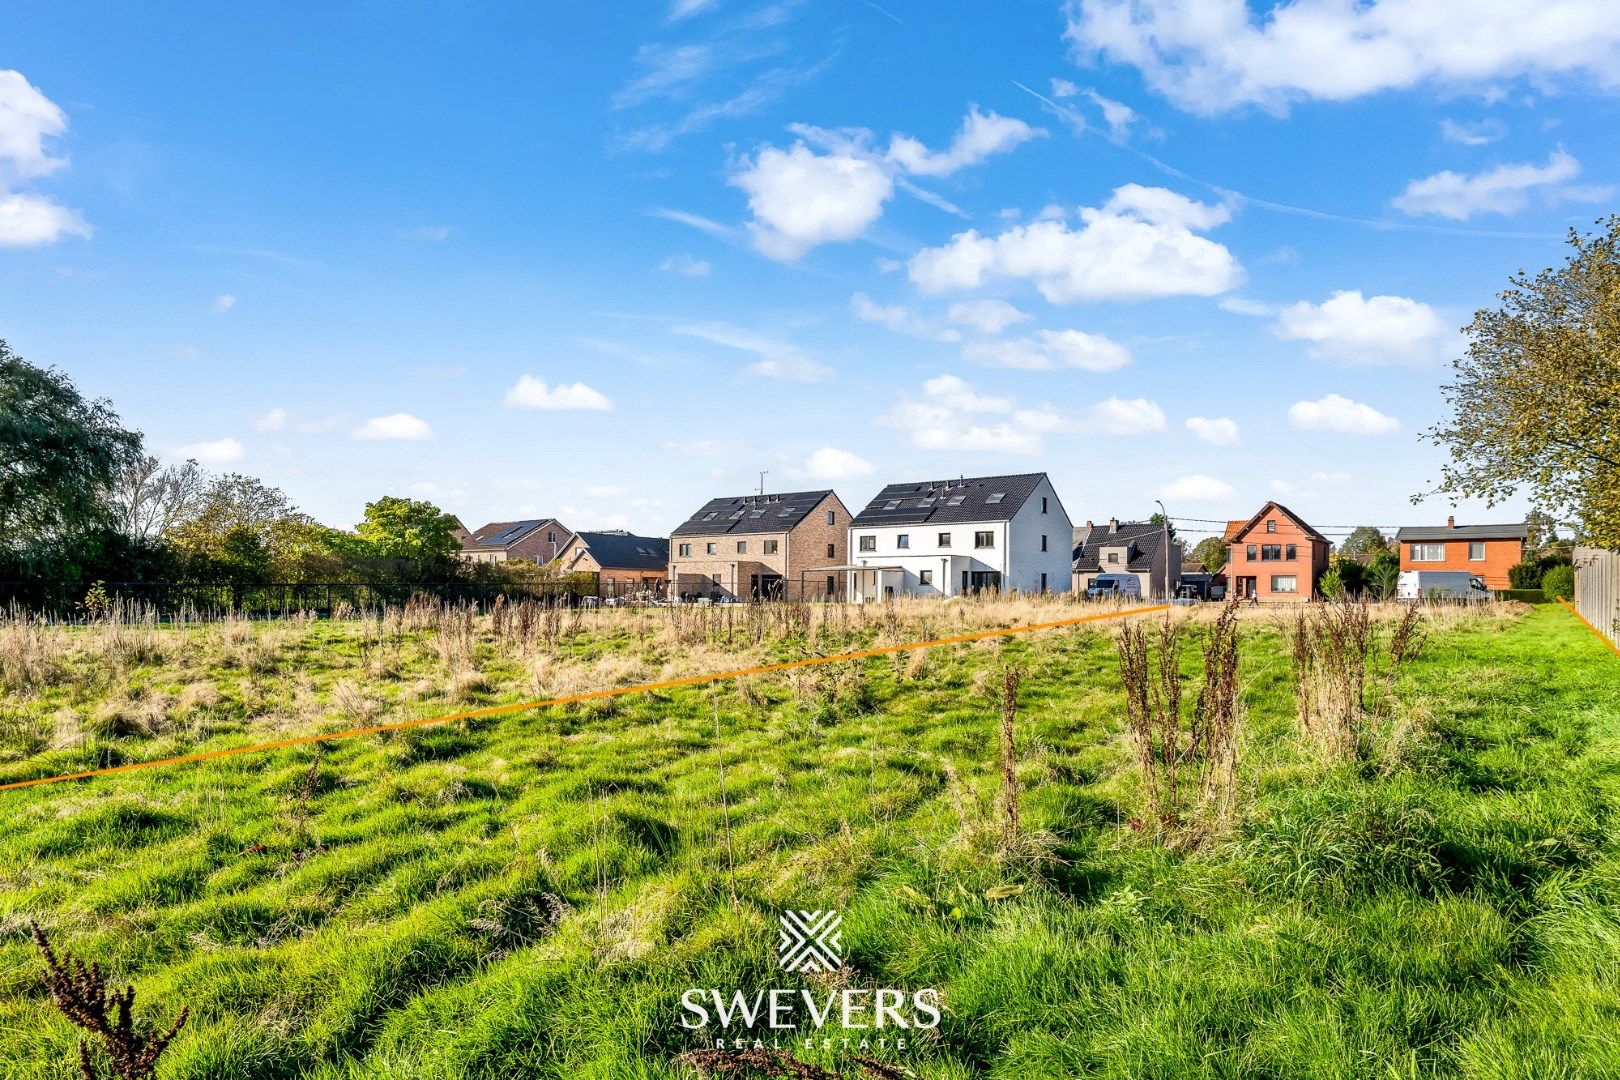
1597, 589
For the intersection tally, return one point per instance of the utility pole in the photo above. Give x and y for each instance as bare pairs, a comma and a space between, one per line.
1164, 522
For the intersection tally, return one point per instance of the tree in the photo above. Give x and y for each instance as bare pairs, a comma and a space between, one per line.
1210, 553
1158, 519
1364, 540
150, 499
408, 529
242, 530
1535, 397
1384, 574
1352, 575
59, 458
1559, 581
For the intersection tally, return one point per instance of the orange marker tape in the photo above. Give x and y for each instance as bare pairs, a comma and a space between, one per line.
1569, 607
591, 695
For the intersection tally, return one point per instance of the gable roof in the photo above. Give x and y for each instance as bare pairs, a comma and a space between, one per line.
959, 501
502, 534
619, 550
1517, 531
752, 513
1243, 527
1141, 537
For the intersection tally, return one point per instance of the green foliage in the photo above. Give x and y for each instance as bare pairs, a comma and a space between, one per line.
1364, 540
1331, 585
1526, 596
1159, 520
1383, 575
1534, 398
1559, 582
1210, 553
1526, 575
408, 529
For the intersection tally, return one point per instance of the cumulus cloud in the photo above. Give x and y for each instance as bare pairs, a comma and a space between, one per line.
900, 319
1209, 56
532, 393
1505, 189
31, 220
801, 199
394, 426
830, 464
1197, 487
1475, 134
217, 452
1049, 349
1141, 244
1218, 430
953, 415
1354, 329
274, 420
1340, 415
27, 119
777, 359
1122, 416
980, 136
986, 316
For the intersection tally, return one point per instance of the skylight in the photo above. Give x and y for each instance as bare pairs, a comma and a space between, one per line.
996, 497
892, 504
955, 500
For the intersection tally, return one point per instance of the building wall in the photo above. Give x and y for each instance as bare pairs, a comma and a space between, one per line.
1493, 569
1026, 561
615, 579
542, 545
1308, 566
807, 544
802, 548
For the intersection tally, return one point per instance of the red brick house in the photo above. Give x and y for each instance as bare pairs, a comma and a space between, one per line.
1274, 556
1486, 551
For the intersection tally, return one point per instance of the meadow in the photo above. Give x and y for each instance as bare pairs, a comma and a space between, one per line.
530, 895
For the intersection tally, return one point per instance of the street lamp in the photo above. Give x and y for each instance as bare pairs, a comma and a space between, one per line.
1164, 522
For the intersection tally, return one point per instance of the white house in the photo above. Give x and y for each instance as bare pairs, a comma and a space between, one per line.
948, 537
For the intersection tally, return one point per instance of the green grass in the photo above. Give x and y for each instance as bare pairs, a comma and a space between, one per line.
529, 896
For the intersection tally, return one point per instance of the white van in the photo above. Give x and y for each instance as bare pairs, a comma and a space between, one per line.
1104, 586
1440, 585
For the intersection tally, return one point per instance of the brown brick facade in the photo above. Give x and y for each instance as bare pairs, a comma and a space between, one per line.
768, 562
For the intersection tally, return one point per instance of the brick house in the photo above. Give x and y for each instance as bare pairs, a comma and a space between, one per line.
1274, 556
1486, 551
746, 546
1127, 547
624, 564
948, 537
537, 540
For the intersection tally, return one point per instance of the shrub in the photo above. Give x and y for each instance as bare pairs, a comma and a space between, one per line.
1559, 581
1331, 584
1526, 575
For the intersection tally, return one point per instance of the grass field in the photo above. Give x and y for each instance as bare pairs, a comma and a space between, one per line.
530, 895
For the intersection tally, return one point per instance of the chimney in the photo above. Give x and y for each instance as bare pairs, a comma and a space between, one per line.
1113, 526
1088, 523
1451, 521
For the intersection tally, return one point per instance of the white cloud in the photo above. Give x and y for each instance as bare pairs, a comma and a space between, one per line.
31, 220
1476, 134
1140, 245
1350, 328
953, 415
223, 303
532, 393
394, 426
435, 233
686, 265
1212, 55
831, 464
1197, 488
27, 119
1505, 189
1238, 305
1219, 430
901, 320
980, 136
1048, 349
1116, 114
1063, 88
702, 224
682, 9
986, 316
1123, 416
777, 359
217, 452
801, 199
274, 420
1341, 416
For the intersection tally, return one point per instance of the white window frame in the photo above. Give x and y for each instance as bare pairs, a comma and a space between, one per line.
1292, 579
866, 543
1427, 552
1476, 544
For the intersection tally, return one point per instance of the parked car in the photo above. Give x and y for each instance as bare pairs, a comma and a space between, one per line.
1104, 586
1440, 585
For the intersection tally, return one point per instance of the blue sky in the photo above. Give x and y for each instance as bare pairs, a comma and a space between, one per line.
606, 261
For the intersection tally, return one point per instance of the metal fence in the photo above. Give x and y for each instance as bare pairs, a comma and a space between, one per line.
1597, 589
67, 599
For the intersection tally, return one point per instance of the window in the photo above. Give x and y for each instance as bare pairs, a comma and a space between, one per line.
787, 511
1249, 552
1043, 504
1113, 557
995, 497
737, 515
710, 548
832, 551
1476, 551
926, 577
684, 550
1043, 543
711, 515
551, 538
1043, 583
832, 584
1270, 552
892, 504
770, 546
756, 513
1284, 583
742, 547
944, 540
984, 539
903, 540
832, 517
1271, 526
1290, 552
955, 500
868, 543
1428, 553
926, 502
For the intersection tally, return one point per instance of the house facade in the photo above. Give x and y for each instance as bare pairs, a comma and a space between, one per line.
624, 564
949, 537
1486, 551
1274, 556
537, 540
1131, 547
747, 546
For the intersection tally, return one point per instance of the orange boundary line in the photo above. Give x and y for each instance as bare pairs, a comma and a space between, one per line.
1573, 610
591, 695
